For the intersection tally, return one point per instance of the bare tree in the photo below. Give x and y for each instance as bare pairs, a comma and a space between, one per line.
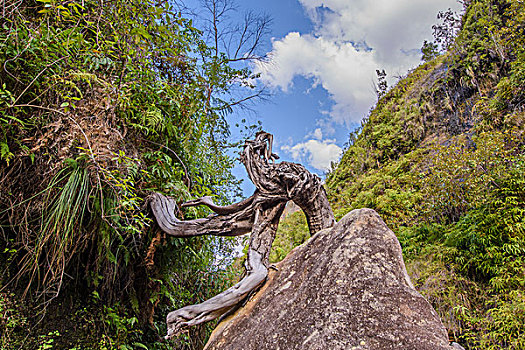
235, 39
382, 84
224, 31
259, 214
446, 31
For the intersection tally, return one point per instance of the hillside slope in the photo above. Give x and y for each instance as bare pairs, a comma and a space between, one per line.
441, 158
102, 104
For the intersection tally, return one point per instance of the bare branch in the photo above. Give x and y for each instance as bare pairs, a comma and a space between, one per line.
259, 214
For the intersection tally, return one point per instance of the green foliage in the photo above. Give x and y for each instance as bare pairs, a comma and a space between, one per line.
490, 239
464, 173
60, 233
292, 232
441, 158
46, 341
429, 51
11, 320
394, 127
101, 104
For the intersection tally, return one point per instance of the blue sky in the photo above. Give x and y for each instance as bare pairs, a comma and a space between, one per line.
321, 73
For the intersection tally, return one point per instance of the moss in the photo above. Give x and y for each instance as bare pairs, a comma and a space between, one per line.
440, 157
99, 106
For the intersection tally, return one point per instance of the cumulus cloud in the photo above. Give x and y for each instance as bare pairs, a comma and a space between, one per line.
317, 134
318, 154
390, 27
352, 39
337, 67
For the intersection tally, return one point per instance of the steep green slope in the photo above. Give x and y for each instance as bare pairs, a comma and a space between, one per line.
442, 159
102, 103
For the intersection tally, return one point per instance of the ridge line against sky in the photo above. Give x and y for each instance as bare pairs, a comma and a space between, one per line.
349, 41
322, 68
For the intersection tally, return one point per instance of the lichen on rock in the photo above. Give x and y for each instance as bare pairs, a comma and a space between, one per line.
345, 288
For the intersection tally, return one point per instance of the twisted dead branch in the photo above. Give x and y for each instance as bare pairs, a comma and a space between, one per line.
259, 214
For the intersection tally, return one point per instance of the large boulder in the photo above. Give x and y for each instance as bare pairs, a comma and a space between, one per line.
346, 288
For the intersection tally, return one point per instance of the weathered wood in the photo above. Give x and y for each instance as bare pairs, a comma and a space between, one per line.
263, 234
259, 214
229, 209
289, 180
234, 224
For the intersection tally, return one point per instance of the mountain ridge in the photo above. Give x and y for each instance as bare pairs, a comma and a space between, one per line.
440, 157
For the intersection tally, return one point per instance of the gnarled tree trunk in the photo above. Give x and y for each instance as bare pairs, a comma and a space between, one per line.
259, 214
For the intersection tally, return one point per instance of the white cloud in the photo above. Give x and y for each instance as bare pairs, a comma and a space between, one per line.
337, 67
326, 125
390, 27
352, 39
317, 134
318, 154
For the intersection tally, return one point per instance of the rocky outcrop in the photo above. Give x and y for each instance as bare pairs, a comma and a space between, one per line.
346, 288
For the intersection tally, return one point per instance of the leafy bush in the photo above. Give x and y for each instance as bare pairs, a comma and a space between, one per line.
292, 232
101, 104
441, 158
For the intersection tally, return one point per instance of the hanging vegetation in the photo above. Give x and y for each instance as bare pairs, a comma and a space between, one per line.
102, 103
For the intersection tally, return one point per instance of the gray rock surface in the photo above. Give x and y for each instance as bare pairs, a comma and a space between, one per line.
346, 288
